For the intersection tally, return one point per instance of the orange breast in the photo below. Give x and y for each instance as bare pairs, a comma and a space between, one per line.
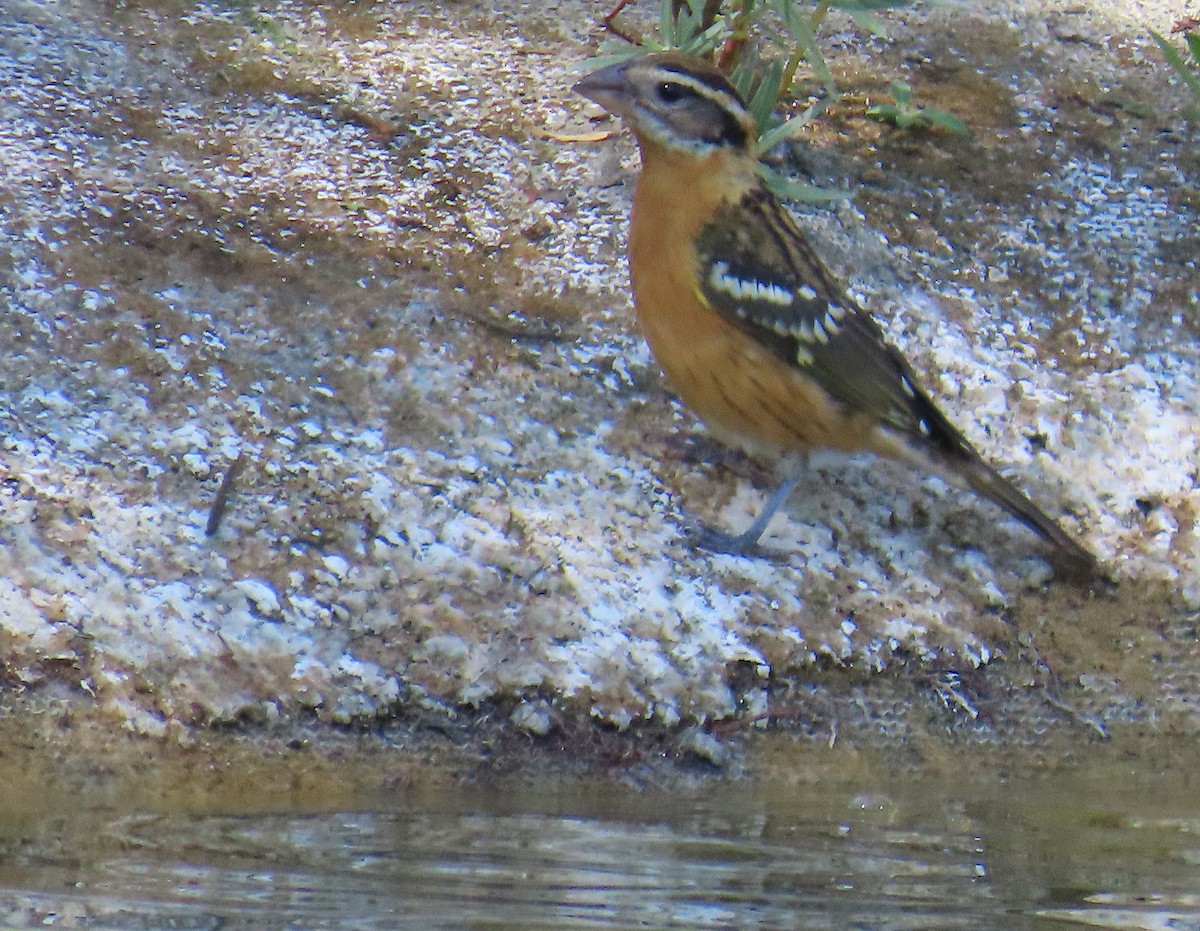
743, 392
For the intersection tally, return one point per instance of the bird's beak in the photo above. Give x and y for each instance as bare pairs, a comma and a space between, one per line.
607, 87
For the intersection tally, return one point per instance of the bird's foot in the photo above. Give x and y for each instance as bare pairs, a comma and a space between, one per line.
746, 543
702, 537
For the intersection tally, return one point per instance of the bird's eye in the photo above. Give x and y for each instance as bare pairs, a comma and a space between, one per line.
670, 92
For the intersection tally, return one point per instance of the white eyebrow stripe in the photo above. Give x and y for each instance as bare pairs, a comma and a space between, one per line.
722, 98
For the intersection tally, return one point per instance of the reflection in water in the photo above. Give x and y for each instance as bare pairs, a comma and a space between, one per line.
722, 858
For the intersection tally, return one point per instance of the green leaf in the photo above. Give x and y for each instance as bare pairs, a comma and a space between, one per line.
687, 25
683, 32
790, 129
1126, 104
905, 116
787, 189
802, 29
766, 96
936, 116
860, 5
1175, 60
807, 37
742, 79
666, 23
704, 42
790, 13
901, 93
596, 62
869, 22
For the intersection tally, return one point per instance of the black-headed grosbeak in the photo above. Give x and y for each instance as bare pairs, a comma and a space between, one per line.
747, 323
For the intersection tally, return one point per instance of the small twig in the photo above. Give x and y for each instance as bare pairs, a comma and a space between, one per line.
948, 687
728, 725
1080, 717
217, 511
510, 328
378, 126
616, 30
731, 50
1047, 679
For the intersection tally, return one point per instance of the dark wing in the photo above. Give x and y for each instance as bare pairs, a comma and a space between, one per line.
759, 272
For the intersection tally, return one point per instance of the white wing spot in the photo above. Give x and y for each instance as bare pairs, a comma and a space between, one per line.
808, 292
837, 312
743, 289
907, 388
819, 333
803, 356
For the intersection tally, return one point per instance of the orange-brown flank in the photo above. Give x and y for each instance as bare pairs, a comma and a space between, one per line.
742, 391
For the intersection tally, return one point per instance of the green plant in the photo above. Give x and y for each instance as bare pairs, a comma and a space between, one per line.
904, 115
1189, 76
761, 45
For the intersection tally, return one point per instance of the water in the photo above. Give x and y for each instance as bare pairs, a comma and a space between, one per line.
1109, 849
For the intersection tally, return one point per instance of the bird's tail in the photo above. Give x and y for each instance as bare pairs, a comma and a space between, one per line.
1070, 559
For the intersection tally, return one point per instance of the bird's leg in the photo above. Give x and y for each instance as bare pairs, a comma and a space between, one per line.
746, 542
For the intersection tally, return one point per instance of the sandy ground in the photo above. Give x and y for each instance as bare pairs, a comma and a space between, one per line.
335, 245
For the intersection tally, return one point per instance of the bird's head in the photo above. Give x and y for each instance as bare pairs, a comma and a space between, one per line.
675, 101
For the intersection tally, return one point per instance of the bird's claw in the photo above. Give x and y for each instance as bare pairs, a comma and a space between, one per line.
729, 544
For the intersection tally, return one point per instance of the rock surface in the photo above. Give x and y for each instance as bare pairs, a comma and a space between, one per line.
339, 246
